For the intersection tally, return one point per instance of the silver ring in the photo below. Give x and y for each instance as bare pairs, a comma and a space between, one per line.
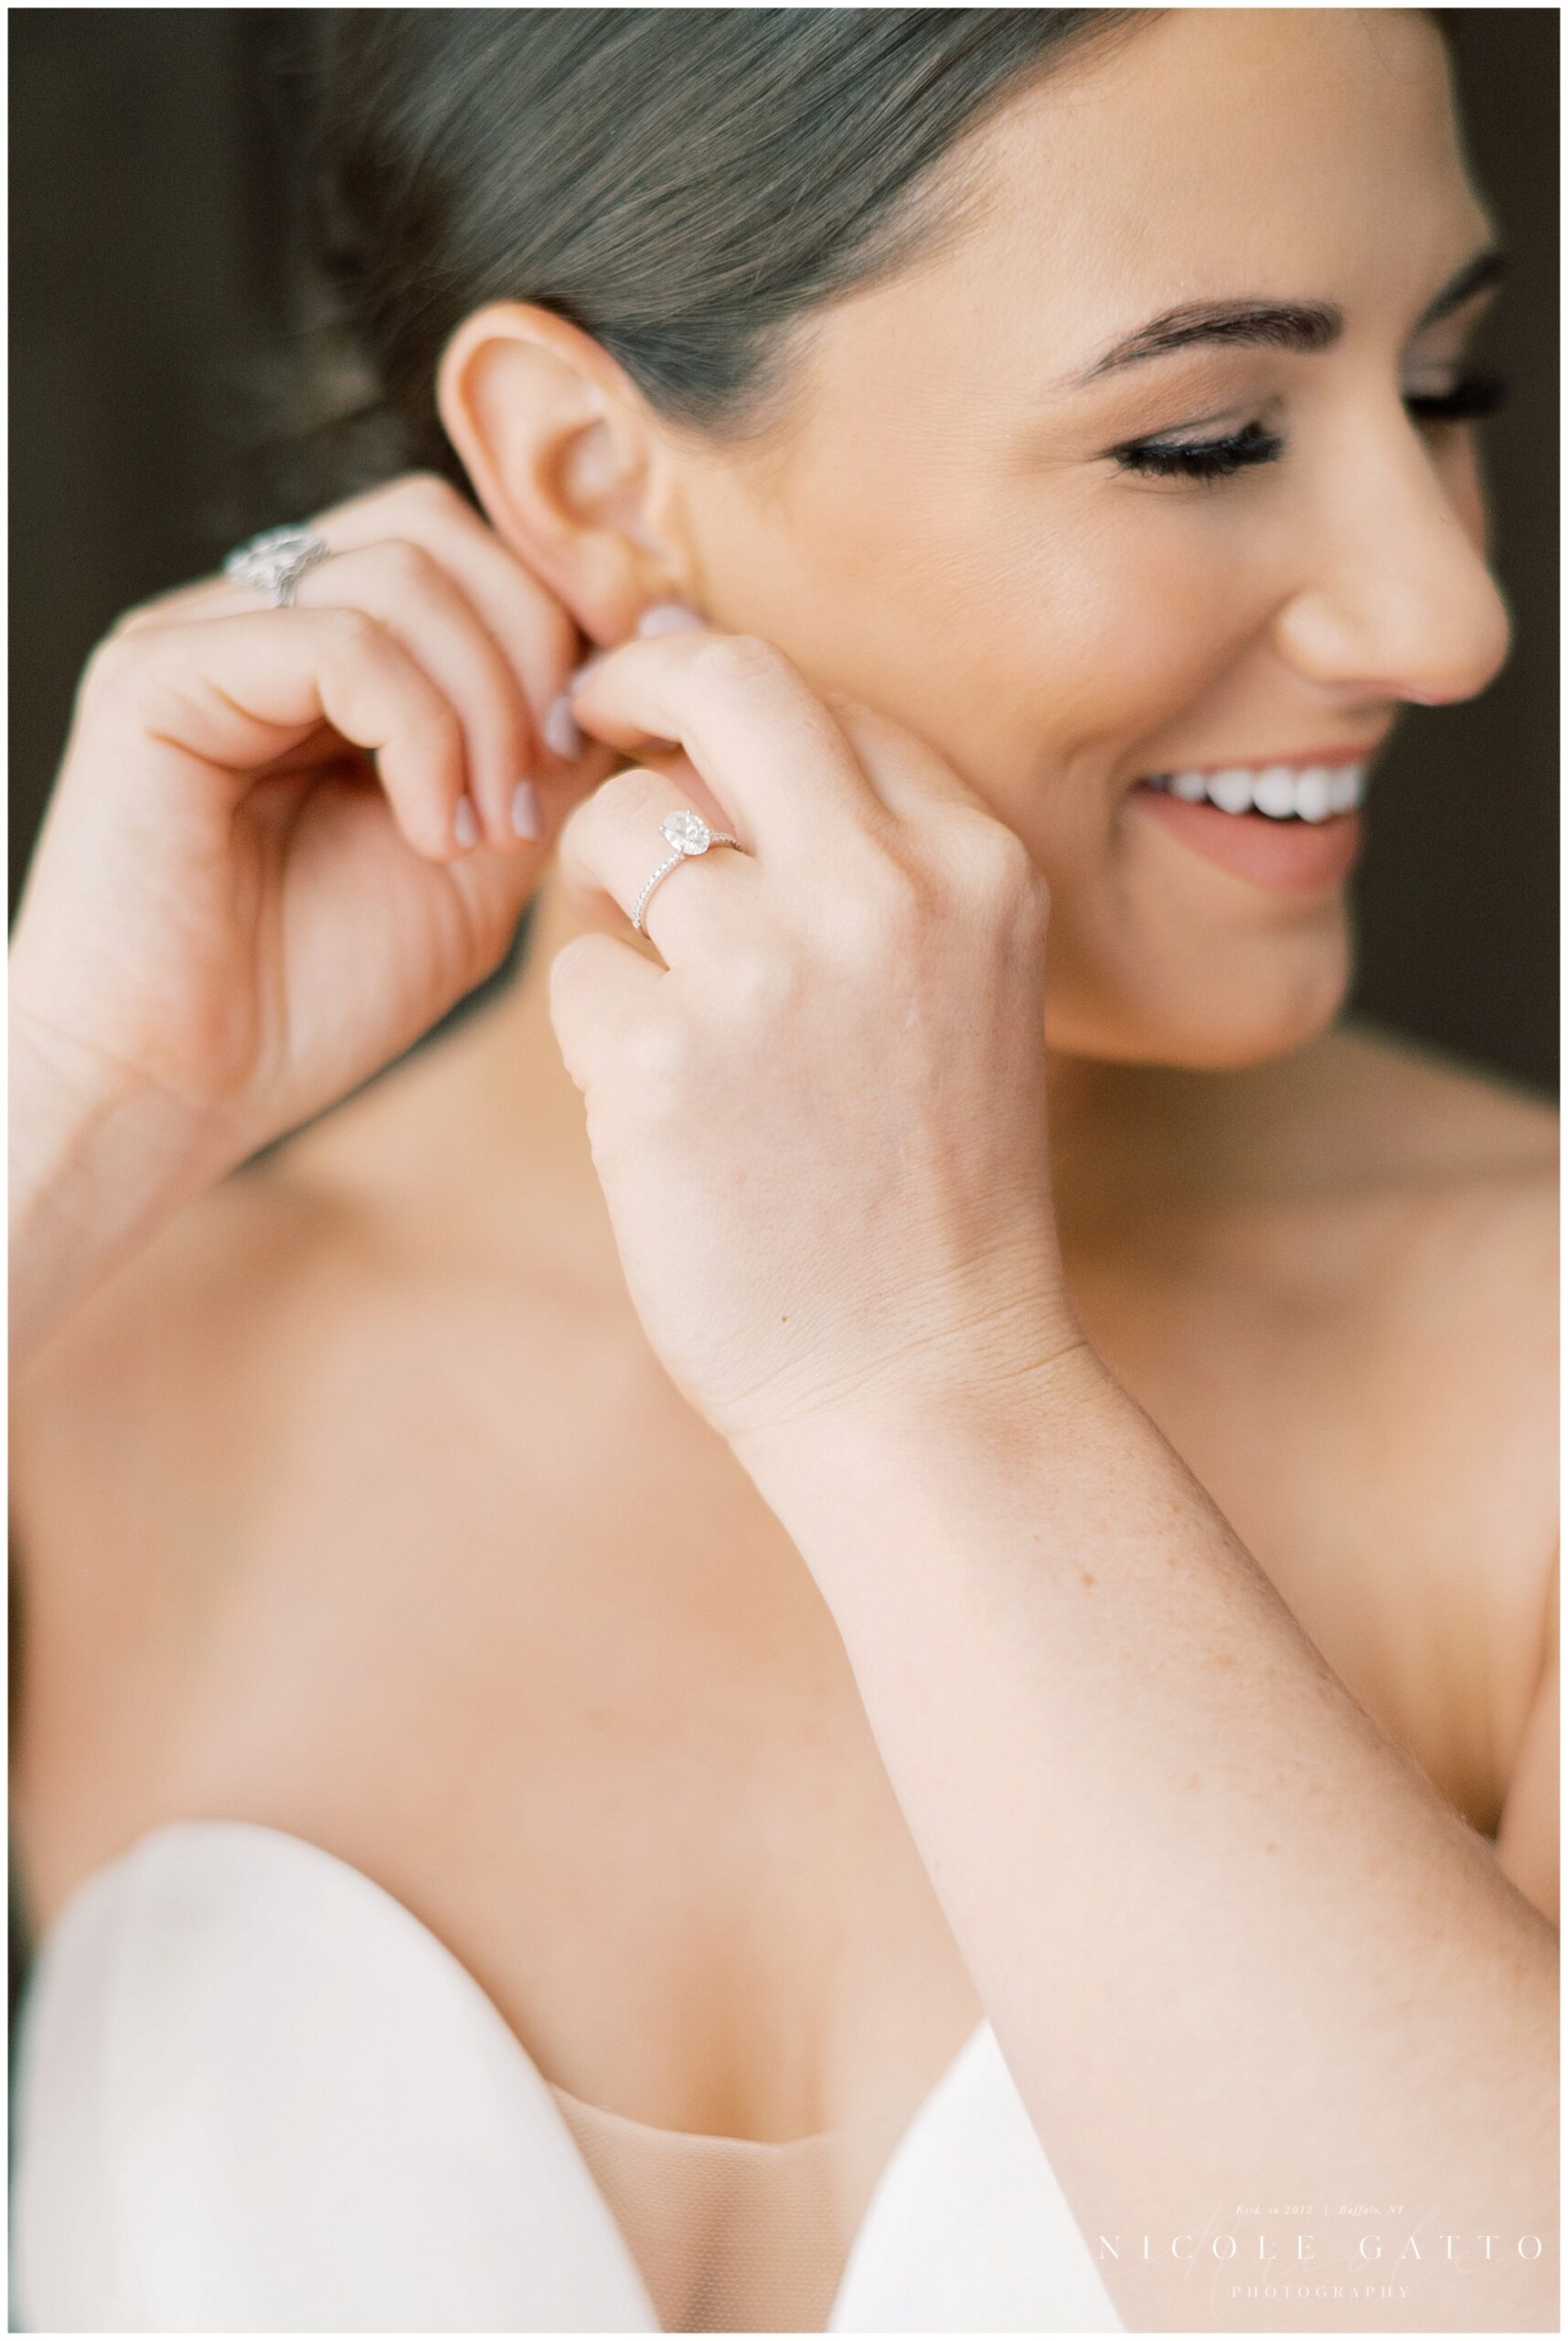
689, 833
275, 562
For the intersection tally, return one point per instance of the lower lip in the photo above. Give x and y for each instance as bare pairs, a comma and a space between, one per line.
1290, 857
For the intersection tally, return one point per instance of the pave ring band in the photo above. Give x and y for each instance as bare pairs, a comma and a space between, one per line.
275, 562
687, 833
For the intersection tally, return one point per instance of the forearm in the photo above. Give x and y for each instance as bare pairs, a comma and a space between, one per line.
1236, 1949
97, 1164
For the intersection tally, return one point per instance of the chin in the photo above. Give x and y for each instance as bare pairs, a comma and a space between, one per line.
1245, 1008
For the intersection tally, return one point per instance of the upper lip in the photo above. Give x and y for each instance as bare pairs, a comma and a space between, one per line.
1298, 759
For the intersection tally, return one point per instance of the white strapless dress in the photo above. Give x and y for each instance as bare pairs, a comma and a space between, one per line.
254, 2093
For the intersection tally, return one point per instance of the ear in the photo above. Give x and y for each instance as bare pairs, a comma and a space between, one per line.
567, 460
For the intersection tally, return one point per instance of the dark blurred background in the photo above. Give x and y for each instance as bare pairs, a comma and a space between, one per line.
151, 215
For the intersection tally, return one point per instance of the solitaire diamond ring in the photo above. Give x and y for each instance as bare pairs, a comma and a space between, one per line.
275, 562
689, 833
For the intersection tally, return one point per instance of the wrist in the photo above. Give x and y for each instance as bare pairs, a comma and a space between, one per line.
99, 1158
967, 1425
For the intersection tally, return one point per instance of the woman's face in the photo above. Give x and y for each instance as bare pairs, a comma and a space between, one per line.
943, 528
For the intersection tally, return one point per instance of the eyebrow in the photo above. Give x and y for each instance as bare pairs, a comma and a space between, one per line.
1306, 327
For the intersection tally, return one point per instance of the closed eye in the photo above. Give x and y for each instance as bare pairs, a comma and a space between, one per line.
1473, 396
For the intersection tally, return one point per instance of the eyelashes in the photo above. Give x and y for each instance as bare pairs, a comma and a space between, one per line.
1201, 458
1472, 396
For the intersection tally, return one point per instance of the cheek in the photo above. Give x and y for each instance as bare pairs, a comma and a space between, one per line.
1116, 618
1045, 647
1031, 639
1044, 663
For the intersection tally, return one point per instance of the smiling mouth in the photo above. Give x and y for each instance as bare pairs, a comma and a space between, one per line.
1289, 828
1279, 791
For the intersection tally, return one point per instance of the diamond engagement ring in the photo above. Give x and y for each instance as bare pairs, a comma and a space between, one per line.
275, 562
689, 833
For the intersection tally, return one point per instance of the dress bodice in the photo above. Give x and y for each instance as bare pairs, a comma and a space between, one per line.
255, 2092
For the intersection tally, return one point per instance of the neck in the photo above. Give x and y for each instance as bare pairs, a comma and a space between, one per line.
524, 1111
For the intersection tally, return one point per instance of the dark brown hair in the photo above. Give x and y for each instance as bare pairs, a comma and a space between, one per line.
684, 184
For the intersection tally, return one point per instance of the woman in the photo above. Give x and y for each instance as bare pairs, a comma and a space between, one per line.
849, 1620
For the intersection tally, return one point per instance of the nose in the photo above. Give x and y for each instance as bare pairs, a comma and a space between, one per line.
1398, 601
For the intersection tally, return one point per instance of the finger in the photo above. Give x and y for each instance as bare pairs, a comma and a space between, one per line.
939, 814
206, 597
766, 745
237, 693
536, 631
611, 845
598, 989
423, 607
530, 625
355, 863
913, 780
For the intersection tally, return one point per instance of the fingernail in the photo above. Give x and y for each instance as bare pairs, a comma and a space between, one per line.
581, 674
667, 617
525, 805
560, 730
465, 823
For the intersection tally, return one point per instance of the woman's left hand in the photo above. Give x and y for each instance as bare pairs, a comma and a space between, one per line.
820, 1126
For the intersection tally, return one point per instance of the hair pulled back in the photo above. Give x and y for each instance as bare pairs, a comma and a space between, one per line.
683, 184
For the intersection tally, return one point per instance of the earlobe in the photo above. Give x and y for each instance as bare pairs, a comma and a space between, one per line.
563, 455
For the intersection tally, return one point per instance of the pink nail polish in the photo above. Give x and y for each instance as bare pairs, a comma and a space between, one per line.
465, 824
526, 809
581, 674
560, 730
667, 617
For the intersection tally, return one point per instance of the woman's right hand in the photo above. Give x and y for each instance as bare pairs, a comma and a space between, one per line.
250, 891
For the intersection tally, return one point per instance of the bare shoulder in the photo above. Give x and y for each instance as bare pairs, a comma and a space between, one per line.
156, 1370
1452, 1173
139, 1469
1448, 1185
261, 1230
1393, 1113
1457, 1172
1378, 1236
1384, 1184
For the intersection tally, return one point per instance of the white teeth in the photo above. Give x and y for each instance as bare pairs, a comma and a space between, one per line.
1232, 790
1312, 793
1274, 791
1279, 790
